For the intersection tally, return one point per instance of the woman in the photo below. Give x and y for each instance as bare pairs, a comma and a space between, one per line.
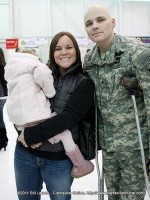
27, 79
72, 102
3, 92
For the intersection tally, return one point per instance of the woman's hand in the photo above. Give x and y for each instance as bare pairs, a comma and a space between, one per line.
36, 145
54, 139
21, 139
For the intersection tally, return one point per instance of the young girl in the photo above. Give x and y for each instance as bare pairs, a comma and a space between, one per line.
30, 84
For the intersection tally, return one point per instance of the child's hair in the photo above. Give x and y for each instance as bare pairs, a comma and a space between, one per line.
18, 50
30, 51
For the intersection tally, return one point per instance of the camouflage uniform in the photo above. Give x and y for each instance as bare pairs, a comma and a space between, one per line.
118, 132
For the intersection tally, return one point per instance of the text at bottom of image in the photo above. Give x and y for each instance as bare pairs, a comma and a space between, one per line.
76, 193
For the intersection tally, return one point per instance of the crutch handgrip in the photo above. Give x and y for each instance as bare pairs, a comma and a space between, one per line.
131, 84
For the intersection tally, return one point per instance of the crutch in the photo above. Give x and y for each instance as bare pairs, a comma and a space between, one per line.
102, 184
100, 176
141, 146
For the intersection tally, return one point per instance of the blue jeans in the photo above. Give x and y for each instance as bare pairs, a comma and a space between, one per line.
31, 171
2, 102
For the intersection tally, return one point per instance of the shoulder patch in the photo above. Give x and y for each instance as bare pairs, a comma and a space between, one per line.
143, 59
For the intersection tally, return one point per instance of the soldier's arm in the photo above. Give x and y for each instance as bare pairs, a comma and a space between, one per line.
143, 75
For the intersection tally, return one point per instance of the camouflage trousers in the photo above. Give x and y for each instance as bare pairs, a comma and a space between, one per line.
124, 175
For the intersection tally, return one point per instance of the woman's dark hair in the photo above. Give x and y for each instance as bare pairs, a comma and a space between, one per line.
53, 47
2, 58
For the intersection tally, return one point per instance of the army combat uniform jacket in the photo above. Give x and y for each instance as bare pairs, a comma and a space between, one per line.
118, 131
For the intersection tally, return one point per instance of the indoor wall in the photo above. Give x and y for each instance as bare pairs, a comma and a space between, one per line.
41, 20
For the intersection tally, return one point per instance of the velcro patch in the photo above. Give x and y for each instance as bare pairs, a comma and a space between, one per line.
143, 59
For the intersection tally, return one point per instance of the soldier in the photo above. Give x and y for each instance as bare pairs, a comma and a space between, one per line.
111, 58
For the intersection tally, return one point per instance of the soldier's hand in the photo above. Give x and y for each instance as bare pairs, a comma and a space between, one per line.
130, 82
148, 168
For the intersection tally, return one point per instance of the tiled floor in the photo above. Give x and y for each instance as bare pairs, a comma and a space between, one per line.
80, 186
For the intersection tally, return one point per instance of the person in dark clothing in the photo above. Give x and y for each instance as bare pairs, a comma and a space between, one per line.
35, 163
3, 93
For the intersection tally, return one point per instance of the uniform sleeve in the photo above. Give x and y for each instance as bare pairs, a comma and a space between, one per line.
43, 77
143, 75
77, 107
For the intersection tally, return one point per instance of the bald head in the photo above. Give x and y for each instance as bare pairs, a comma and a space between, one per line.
99, 25
96, 8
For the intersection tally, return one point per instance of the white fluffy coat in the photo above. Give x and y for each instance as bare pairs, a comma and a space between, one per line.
30, 84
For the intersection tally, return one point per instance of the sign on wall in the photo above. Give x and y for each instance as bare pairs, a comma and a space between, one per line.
11, 43
32, 42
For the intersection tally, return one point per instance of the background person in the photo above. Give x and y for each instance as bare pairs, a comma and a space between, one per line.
49, 162
3, 93
111, 58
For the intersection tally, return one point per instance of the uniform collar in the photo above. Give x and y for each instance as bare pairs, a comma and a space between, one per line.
109, 57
